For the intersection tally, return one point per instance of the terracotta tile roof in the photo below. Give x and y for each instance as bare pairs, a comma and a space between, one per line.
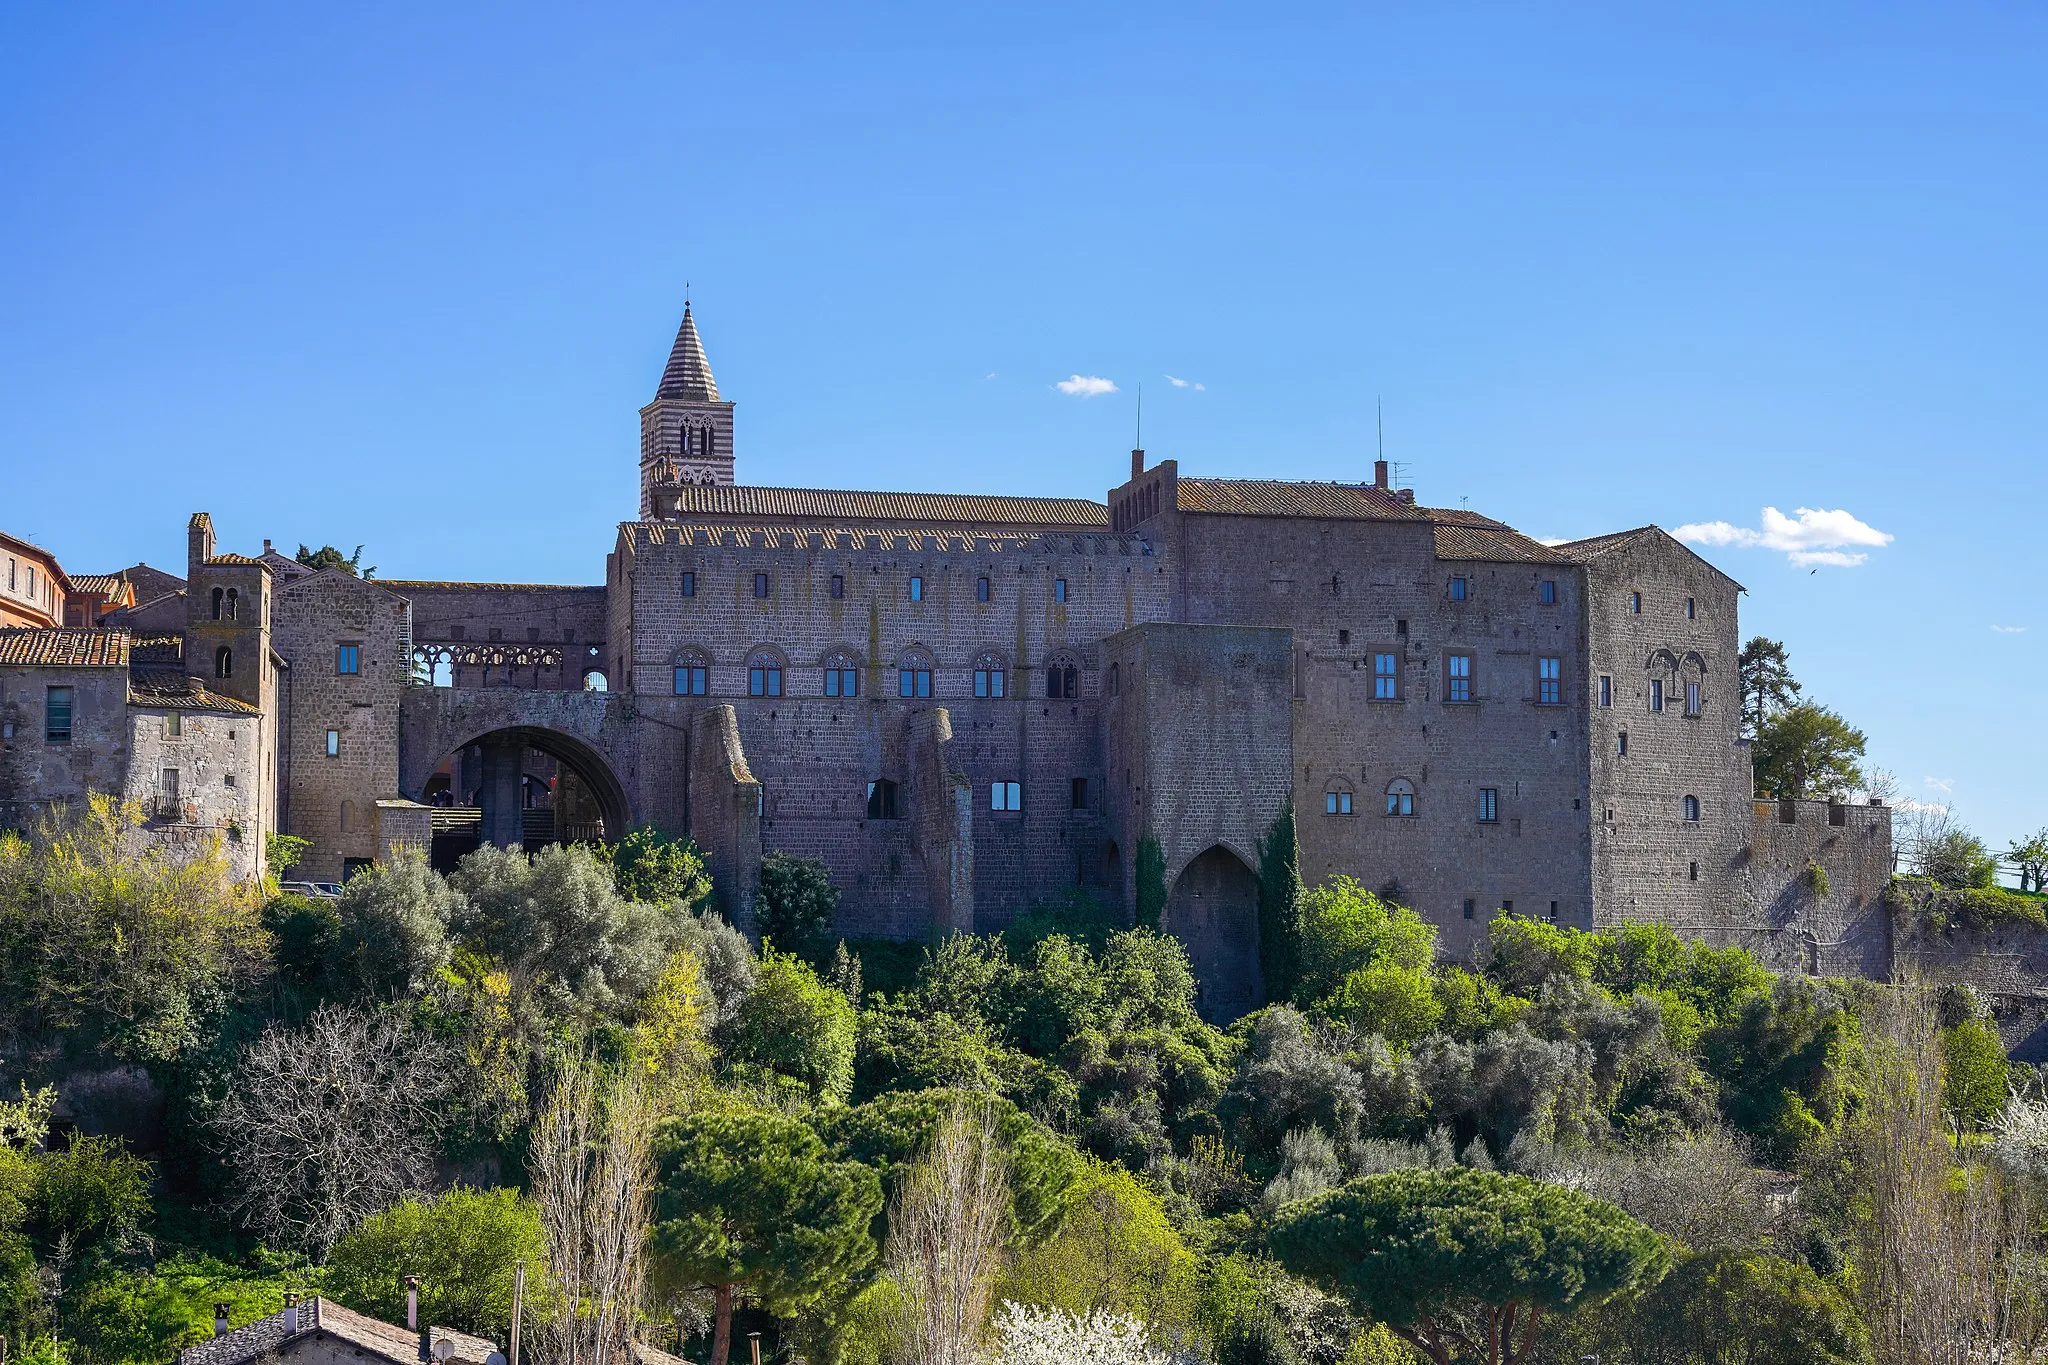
1090, 540
105, 584
1467, 535
965, 509
64, 647
237, 559
166, 691
403, 585
1592, 547
370, 1337
156, 649
1281, 498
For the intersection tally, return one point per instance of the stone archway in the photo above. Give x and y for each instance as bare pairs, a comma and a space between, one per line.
1213, 910
502, 783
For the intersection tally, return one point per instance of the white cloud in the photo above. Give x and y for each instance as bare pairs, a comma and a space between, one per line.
1086, 386
1944, 785
1180, 383
1553, 540
2010, 630
990, 375
1811, 536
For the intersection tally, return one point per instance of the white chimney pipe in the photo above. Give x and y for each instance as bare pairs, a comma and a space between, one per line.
220, 1319
412, 1303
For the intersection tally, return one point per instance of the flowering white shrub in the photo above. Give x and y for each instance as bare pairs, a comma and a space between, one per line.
2020, 1139
1053, 1336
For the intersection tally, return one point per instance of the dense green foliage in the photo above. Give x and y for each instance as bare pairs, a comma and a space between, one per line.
1279, 907
463, 1245
794, 906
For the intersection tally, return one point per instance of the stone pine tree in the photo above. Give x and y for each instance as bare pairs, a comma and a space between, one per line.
1464, 1264
752, 1201
1767, 682
1806, 751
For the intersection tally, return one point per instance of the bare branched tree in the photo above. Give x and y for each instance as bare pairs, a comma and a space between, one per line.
592, 1168
947, 1234
331, 1123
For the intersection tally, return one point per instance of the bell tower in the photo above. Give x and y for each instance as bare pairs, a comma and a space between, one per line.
686, 432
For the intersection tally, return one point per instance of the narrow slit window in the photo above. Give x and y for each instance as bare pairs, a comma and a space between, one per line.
334, 744
838, 586
689, 582
981, 590
1606, 690
1078, 794
1059, 590
917, 589
1692, 699
764, 586
1656, 694
1547, 593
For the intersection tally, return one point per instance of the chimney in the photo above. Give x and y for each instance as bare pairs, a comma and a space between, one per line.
1379, 480
198, 543
266, 545
412, 1303
1137, 463
1406, 495
291, 1314
220, 1319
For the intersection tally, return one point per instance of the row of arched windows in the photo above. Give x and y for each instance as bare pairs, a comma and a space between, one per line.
1337, 800
768, 675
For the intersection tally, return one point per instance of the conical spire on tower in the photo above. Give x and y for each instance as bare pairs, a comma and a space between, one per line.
688, 376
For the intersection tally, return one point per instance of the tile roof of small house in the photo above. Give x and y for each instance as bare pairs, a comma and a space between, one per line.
105, 584
237, 559
64, 647
852, 505
1289, 498
322, 1317
162, 690
1594, 546
1467, 535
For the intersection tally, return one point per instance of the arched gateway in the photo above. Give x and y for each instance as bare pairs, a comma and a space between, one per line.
1214, 911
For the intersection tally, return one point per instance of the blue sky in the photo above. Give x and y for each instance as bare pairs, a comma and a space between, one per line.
403, 274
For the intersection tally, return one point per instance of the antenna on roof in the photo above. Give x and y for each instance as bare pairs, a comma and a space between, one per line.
1140, 442
1379, 413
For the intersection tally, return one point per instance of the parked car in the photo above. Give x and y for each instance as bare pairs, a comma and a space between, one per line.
317, 890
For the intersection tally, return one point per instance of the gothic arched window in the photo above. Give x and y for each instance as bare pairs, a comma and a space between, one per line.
1400, 797
842, 675
224, 662
988, 676
1062, 677
914, 674
764, 674
233, 593
219, 597
693, 673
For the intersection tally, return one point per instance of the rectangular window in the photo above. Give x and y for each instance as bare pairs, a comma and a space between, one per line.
1656, 694
764, 680
1635, 604
842, 682
981, 590
1457, 677
1458, 589
988, 682
1691, 609
1507, 907
1005, 796
174, 725
762, 585
1336, 803
914, 682
1059, 590
1547, 594
167, 786
1692, 699
57, 715
1079, 799
1386, 677
1549, 682
917, 590
1553, 908
838, 586
347, 658
334, 744
1621, 744
1606, 690
689, 582
1489, 805
691, 680
1469, 905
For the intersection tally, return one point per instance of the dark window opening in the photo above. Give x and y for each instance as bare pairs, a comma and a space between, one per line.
689, 583
1079, 798
981, 590
224, 662
762, 585
881, 799
1469, 907
1062, 682
57, 715
838, 586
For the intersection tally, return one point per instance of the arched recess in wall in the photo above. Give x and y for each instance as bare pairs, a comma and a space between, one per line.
1213, 909
593, 776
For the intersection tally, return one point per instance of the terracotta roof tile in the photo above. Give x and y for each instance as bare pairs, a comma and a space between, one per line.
1494, 542
974, 509
64, 647
1281, 498
166, 691
105, 584
237, 559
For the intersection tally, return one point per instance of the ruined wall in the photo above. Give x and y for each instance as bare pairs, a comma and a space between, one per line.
1650, 862
725, 813
2007, 963
332, 798
1779, 914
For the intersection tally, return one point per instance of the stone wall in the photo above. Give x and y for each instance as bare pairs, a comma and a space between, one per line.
563, 625
2008, 964
34, 772
1781, 915
1650, 861
332, 799
220, 759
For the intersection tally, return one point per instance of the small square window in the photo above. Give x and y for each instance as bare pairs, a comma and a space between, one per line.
1606, 690
1507, 907
1059, 590
689, 582
1458, 589
1401, 627
763, 585
838, 586
1386, 677
1079, 794
174, 725
1343, 639
347, 658
334, 743
981, 590
1547, 593
917, 589
1005, 796
1489, 805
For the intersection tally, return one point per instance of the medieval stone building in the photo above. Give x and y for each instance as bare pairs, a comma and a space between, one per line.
969, 704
